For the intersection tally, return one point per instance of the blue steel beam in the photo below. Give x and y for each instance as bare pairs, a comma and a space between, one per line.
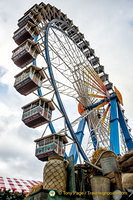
114, 131
97, 104
93, 136
125, 131
39, 92
52, 128
36, 38
79, 134
100, 102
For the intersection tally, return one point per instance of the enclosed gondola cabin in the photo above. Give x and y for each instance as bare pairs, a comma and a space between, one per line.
32, 16
29, 31
50, 145
34, 8
37, 113
25, 53
29, 80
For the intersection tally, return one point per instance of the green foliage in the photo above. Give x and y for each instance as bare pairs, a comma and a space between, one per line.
8, 195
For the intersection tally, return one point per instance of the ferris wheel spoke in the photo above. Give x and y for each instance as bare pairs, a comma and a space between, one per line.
71, 58
75, 51
67, 51
63, 72
56, 67
79, 80
99, 133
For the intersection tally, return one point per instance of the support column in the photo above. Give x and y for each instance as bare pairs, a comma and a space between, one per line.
79, 134
114, 131
125, 131
92, 134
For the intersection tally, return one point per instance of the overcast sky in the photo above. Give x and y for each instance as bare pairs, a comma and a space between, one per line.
107, 25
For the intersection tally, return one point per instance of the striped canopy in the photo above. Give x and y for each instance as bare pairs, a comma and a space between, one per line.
17, 185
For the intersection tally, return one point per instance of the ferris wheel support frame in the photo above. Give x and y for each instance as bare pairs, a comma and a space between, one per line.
116, 115
79, 134
114, 131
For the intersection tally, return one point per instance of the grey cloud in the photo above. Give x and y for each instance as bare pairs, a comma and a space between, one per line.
2, 71
21, 165
3, 89
26, 133
17, 153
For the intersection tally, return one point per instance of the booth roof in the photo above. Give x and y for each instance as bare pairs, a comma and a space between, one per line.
17, 185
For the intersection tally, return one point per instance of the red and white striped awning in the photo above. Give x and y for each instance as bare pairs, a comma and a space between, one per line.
17, 185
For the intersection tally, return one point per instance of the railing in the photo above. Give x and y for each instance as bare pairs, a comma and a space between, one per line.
20, 31
23, 30
20, 50
24, 19
21, 78
32, 112
50, 147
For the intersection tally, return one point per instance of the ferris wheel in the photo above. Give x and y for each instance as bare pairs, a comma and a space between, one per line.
75, 97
